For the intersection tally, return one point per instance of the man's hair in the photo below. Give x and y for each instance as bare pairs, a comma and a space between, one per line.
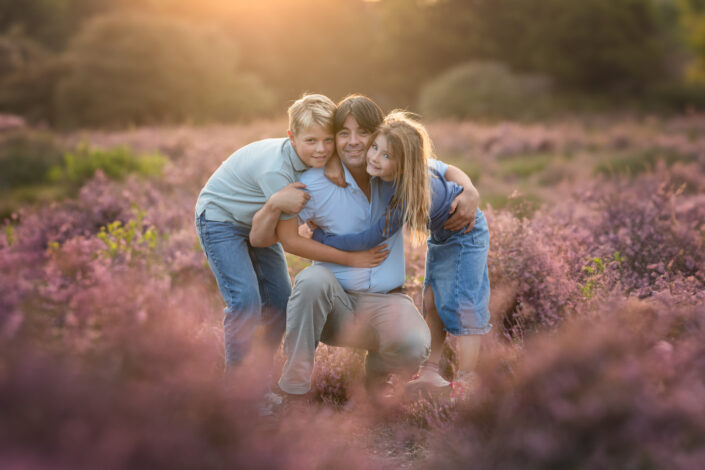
366, 112
309, 110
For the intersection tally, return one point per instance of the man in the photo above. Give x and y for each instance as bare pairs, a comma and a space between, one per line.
343, 306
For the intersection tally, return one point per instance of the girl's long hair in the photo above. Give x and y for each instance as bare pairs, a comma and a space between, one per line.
410, 147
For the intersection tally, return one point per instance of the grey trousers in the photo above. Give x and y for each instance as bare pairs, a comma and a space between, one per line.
388, 326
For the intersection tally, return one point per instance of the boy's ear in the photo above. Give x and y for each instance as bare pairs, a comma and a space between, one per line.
290, 135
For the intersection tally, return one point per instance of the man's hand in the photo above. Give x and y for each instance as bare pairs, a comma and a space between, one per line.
334, 172
291, 198
463, 209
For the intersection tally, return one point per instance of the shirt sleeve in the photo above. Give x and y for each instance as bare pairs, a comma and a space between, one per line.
274, 181
364, 240
438, 166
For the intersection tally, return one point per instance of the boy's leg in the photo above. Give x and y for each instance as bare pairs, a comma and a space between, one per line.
226, 248
318, 309
274, 287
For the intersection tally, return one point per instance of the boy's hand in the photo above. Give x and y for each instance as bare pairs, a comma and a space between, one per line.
291, 198
334, 172
463, 208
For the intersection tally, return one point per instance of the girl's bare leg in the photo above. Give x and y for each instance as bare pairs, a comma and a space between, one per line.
438, 334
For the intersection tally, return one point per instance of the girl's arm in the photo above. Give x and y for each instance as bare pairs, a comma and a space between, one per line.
288, 233
364, 240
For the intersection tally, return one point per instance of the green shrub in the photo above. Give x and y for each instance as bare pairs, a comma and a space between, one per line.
135, 69
116, 163
479, 90
26, 158
635, 162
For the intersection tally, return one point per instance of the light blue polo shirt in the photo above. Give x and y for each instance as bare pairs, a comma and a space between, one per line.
247, 178
347, 210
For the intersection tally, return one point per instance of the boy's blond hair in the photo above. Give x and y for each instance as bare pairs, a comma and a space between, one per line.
309, 110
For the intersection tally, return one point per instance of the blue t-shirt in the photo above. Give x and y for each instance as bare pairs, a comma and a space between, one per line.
442, 194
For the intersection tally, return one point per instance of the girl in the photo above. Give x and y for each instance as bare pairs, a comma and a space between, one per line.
456, 286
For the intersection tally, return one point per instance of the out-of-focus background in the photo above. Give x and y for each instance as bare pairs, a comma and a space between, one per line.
580, 121
96, 63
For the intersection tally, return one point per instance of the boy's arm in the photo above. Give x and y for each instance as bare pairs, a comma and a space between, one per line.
364, 240
288, 233
465, 205
290, 199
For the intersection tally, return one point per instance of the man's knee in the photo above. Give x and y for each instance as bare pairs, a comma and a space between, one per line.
312, 281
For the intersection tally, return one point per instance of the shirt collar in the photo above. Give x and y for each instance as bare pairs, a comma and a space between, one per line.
349, 177
294, 158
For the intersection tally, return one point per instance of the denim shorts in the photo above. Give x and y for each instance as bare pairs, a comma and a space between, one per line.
456, 270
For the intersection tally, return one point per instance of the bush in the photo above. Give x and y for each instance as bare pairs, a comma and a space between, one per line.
485, 90
26, 157
116, 163
134, 69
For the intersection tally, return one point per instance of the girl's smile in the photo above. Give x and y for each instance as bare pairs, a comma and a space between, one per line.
380, 161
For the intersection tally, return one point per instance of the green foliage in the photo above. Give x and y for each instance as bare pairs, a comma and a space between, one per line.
28, 73
130, 239
638, 161
582, 45
26, 158
484, 90
525, 165
116, 163
136, 69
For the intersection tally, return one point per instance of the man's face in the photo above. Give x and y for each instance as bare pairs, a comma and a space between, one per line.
351, 142
314, 145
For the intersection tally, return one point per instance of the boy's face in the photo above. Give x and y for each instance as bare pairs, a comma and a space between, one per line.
351, 142
314, 145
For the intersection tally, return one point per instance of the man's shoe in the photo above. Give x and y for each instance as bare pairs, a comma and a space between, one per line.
295, 404
428, 383
381, 391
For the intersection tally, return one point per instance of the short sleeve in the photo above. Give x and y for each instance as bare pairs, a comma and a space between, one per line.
438, 166
274, 181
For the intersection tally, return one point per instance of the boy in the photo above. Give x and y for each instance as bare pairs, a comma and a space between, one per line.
254, 281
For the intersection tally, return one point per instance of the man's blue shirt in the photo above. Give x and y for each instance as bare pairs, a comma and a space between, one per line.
346, 210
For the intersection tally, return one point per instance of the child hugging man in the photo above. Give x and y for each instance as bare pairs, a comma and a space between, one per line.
262, 176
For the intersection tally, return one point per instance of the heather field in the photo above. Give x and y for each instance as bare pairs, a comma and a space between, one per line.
110, 319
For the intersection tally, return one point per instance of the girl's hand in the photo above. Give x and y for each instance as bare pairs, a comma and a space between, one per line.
370, 258
334, 172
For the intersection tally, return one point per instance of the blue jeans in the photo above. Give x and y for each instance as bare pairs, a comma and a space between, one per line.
254, 283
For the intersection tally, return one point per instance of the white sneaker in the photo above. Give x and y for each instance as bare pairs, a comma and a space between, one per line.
427, 383
270, 404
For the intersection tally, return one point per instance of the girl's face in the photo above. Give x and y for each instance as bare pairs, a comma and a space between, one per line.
380, 162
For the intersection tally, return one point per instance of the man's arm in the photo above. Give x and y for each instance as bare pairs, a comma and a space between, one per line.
290, 199
465, 205
288, 233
